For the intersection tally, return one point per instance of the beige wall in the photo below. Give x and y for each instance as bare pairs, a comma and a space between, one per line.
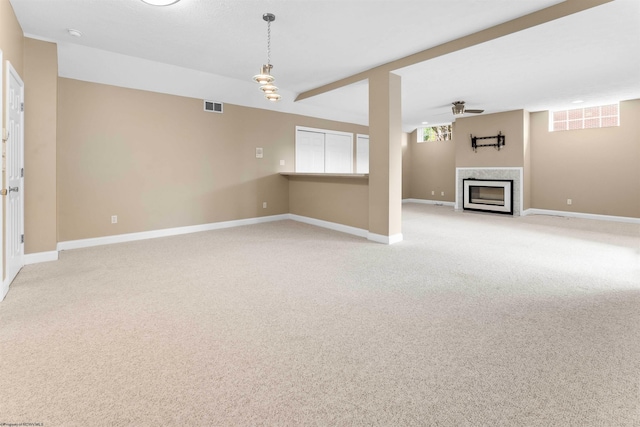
340, 200
385, 154
433, 164
11, 44
406, 165
41, 91
159, 161
526, 170
596, 168
599, 169
11, 38
511, 124
105, 146
433, 168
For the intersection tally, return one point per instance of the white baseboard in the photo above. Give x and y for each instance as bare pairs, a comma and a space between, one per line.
121, 238
533, 211
360, 232
40, 257
4, 291
387, 240
130, 237
429, 202
330, 225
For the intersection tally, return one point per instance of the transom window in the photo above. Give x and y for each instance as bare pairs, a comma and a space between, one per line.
435, 133
585, 118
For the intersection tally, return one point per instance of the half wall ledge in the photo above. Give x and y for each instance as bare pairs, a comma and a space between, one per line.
327, 175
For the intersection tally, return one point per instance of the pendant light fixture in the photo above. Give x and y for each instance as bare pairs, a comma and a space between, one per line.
265, 79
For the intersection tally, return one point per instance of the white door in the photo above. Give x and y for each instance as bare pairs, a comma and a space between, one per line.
14, 173
4, 285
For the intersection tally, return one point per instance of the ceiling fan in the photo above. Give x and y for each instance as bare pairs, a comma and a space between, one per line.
458, 109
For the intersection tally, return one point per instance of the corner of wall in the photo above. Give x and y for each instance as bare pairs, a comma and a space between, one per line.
526, 121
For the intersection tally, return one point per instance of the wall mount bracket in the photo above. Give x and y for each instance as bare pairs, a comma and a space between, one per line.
499, 137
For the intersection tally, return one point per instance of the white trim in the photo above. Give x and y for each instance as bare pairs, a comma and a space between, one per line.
387, 240
360, 232
121, 238
599, 217
5, 290
429, 202
5, 286
39, 257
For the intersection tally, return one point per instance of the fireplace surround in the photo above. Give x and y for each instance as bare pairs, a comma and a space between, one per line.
514, 174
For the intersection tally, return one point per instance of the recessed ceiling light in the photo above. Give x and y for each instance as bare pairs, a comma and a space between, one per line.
425, 123
577, 101
160, 2
74, 33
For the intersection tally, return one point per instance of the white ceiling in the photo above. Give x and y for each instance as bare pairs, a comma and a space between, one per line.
211, 49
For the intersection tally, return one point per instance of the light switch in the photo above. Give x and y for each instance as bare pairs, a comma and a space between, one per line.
258, 152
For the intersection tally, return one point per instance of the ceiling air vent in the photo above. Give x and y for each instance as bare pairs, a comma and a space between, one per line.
214, 107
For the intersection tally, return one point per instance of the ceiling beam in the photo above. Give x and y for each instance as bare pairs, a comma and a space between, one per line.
551, 13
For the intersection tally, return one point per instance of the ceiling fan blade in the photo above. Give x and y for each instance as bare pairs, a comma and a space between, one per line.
473, 111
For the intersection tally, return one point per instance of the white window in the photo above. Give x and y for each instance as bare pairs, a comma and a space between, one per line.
585, 118
362, 154
323, 151
442, 132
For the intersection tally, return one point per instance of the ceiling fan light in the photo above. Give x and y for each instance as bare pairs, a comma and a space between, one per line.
458, 108
273, 97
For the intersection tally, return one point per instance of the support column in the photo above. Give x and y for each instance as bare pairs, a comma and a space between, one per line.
385, 158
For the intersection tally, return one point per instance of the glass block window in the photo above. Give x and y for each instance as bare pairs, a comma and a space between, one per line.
585, 118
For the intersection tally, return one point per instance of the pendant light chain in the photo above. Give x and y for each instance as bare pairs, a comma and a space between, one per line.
269, 42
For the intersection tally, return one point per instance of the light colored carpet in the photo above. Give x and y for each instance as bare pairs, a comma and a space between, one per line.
473, 320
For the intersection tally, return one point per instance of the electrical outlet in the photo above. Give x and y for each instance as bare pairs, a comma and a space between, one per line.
442, 193
569, 201
114, 219
433, 193
281, 162
264, 205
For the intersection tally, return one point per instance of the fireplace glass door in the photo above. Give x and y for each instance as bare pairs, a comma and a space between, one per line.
488, 195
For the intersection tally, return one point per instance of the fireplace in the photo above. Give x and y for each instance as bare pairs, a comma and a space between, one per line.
491, 174
491, 195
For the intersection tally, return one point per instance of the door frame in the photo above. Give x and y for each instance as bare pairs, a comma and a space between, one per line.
5, 285
12, 73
